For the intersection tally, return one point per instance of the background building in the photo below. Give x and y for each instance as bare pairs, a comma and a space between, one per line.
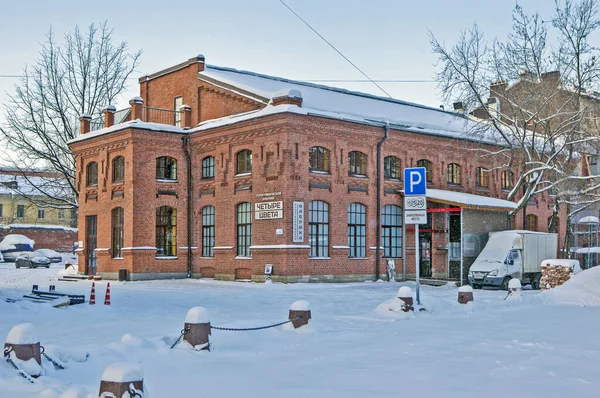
23, 211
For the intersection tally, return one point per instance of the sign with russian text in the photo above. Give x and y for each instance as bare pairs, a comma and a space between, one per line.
268, 210
298, 222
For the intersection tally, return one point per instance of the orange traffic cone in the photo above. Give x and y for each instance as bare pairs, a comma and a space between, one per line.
107, 297
93, 295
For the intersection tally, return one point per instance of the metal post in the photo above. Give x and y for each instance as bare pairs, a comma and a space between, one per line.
417, 263
461, 247
403, 250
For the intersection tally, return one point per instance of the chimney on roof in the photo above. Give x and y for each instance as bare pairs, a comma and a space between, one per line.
200, 62
109, 116
84, 123
458, 107
186, 116
551, 78
136, 108
288, 97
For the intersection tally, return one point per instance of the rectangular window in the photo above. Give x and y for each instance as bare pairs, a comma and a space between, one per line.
318, 228
357, 230
1, 210
208, 167
166, 231
391, 231
41, 214
177, 103
61, 214
208, 231
482, 178
117, 231
20, 211
244, 229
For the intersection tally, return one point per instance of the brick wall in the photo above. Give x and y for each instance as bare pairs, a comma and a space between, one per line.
58, 239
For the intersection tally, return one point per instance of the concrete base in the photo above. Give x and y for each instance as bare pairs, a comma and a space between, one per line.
306, 278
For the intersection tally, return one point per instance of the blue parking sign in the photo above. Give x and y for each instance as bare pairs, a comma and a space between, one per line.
415, 181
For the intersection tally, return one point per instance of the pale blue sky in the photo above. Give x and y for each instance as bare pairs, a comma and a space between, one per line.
386, 38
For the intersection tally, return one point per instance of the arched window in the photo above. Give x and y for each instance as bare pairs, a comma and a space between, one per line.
507, 180
319, 159
392, 167
243, 162
166, 168
117, 221
482, 178
208, 167
427, 165
318, 228
357, 230
208, 231
118, 169
454, 174
357, 163
91, 174
532, 222
244, 229
166, 231
391, 231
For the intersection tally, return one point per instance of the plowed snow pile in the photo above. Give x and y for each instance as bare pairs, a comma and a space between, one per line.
582, 289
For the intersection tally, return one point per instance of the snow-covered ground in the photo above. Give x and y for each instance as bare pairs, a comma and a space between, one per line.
539, 345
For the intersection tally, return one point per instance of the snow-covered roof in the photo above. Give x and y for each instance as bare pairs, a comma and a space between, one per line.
32, 185
468, 200
132, 124
336, 103
588, 220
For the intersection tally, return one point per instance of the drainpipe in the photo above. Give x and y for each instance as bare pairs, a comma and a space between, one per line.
188, 159
378, 206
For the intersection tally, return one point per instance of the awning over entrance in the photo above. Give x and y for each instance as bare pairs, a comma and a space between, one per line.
469, 201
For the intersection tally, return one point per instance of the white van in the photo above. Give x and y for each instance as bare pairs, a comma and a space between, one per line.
512, 254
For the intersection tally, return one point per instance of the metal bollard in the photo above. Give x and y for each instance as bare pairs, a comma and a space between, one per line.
465, 294
197, 328
299, 313
121, 378
405, 294
23, 344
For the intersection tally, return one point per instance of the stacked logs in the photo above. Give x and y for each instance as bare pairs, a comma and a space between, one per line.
554, 275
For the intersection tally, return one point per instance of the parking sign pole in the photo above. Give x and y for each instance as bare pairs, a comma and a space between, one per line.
417, 263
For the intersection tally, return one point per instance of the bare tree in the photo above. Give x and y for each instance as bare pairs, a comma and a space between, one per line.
534, 99
80, 75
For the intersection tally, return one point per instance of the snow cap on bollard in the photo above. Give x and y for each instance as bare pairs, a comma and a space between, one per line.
197, 328
514, 285
405, 294
465, 294
121, 378
299, 313
23, 344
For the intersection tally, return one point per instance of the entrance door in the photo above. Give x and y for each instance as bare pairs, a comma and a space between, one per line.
91, 235
425, 252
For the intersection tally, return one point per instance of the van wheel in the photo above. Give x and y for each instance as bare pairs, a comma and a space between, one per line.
505, 283
535, 283
474, 286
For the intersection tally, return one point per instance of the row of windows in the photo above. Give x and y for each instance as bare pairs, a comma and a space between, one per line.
318, 230
41, 212
319, 158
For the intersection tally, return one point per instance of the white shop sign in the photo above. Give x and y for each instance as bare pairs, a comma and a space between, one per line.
298, 222
268, 210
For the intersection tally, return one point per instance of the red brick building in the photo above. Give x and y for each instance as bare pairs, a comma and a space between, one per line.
217, 172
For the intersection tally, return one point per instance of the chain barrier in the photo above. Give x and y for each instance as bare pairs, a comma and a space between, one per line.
133, 392
21, 372
183, 333
255, 328
56, 364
